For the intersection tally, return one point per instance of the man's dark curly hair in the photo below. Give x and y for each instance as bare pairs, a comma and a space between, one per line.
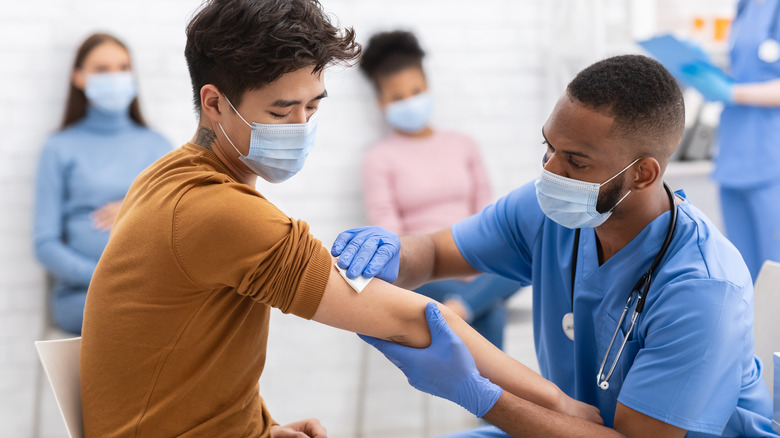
242, 45
390, 52
639, 93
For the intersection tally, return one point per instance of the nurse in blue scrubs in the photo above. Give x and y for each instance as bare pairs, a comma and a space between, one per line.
679, 360
747, 166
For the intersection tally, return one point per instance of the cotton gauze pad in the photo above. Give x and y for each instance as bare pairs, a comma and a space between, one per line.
358, 284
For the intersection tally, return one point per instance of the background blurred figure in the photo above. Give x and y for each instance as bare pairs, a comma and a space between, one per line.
748, 161
419, 180
86, 169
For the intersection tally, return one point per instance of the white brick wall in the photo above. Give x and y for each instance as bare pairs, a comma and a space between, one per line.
486, 67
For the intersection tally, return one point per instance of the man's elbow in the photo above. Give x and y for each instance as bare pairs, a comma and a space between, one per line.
413, 332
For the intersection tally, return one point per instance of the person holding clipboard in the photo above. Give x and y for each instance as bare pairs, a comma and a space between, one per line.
748, 158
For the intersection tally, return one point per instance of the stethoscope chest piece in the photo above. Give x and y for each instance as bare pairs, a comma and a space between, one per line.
769, 50
568, 325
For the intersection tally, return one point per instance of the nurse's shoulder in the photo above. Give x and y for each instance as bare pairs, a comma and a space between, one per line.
520, 212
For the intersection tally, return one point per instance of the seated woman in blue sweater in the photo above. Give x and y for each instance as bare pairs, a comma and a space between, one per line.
86, 169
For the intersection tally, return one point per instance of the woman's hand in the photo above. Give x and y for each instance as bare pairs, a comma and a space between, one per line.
105, 216
308, 428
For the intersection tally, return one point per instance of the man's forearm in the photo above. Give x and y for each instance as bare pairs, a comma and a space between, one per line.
521, 418
417, 260
434, 256
503, 370
429, 257
385, 311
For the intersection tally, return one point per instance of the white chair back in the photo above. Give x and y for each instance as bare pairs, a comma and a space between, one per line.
776, 417
766, 322
61, 362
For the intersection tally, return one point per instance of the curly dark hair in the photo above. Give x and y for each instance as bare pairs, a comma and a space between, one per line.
390, 52
638, 92
242, 45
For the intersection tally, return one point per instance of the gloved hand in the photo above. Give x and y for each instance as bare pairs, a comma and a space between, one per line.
370, 251
444, 369
709, 82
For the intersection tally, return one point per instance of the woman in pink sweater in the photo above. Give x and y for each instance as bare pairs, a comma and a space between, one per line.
419, 179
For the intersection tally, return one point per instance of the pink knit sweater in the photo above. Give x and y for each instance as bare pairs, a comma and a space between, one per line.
413, 185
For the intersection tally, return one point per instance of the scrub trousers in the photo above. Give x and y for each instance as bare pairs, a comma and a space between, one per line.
484, 297
752, 219
67, 308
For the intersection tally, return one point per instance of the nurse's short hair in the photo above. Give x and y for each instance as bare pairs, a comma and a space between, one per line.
642, 96
243, 45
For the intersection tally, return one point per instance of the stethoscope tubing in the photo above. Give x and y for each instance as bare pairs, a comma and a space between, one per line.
641, 288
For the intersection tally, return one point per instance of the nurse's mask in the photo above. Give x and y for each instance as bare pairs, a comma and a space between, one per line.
277, 151
572, 203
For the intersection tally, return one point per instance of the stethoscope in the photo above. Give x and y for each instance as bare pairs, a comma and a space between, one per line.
636, 298
769, 49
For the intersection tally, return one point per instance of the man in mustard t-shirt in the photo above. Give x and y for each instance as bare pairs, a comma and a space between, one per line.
176, 320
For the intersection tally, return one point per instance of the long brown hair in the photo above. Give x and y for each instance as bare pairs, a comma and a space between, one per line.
76, 107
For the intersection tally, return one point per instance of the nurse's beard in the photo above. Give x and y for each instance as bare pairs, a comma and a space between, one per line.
611, 194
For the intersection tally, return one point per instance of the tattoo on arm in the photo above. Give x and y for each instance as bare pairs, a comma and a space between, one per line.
205, 137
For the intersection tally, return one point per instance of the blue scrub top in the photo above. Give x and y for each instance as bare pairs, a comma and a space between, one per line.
689, 361
749, 136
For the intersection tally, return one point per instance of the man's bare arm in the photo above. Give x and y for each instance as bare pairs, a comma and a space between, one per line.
428, 257
521, 418
638, 425
388, 312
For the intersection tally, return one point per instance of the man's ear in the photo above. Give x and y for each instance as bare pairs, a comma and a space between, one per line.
210, 99
646, 172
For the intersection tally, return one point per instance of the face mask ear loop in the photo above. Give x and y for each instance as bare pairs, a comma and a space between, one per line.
628, 192
247, 123
621, 200
617, 174
228, 139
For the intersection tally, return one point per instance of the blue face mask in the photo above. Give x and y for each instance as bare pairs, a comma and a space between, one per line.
572, 203
112, 92
277, 151
410, 115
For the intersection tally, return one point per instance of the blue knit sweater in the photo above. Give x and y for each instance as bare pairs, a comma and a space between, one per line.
83, 168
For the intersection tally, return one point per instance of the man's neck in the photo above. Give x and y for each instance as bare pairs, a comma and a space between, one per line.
623, 226
206, 137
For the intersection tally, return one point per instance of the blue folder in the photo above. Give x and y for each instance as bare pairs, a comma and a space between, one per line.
674, 54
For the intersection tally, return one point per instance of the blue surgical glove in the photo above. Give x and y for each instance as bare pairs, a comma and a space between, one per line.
444, 369
711, 83
368, 251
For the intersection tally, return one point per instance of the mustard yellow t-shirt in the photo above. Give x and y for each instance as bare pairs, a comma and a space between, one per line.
176, 320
